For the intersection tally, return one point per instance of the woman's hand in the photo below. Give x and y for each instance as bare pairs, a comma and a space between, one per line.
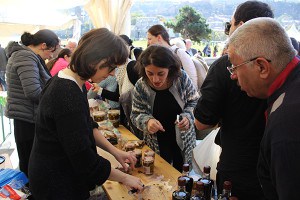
95, 87
128, 180
133, 182
184, 124
125, 157
154, 125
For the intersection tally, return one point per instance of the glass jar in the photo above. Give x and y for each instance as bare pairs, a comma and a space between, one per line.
129, 146
99, 116
148, 165
138, 155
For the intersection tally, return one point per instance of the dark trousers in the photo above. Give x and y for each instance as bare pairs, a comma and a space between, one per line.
24, 135
172, 154
245, 184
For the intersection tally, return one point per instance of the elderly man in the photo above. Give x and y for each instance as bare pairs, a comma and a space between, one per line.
265, 65
241, 118
188, 44
72, 44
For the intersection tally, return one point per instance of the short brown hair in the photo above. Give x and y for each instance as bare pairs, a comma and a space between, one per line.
162, 57
95, 46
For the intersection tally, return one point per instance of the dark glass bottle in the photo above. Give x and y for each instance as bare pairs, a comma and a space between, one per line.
208, 183
181, 193
226, 193
189, 180
199, 191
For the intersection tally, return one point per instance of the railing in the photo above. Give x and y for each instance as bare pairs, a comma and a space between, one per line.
5, 123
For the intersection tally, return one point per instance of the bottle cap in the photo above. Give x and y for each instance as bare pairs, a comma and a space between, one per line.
181, 181
227, 185
199, 186
206, 169
186, 167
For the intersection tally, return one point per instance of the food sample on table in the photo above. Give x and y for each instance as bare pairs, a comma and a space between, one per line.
121, 168
105, 125
137, 143
110, 136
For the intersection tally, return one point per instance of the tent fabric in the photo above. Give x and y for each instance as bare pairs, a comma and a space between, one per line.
293, 32
113, 15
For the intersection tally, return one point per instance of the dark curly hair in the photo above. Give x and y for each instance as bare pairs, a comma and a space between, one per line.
162, 57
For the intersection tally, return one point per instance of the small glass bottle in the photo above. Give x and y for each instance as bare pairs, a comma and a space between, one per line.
180, 193
199, 191
189, 180
226, 193
208, 183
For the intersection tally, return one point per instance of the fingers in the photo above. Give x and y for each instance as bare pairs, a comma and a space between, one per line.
159, 126
132, 159
155, 126
184, 124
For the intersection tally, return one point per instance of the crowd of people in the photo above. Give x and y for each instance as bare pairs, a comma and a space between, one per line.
250, 93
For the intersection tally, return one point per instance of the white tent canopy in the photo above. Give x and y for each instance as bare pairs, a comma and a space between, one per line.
112, 14
293, 32
17, 16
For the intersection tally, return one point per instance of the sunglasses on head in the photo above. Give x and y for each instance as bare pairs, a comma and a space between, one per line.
227, 28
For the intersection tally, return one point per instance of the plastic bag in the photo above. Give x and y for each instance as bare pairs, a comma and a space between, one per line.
8, 175
207, 153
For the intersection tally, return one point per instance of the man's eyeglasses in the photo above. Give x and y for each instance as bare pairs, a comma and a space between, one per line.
227, 28
232, 68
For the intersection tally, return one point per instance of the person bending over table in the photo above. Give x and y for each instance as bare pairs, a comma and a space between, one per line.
64, 163
163, 92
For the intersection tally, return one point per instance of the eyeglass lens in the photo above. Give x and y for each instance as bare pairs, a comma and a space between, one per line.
227, 28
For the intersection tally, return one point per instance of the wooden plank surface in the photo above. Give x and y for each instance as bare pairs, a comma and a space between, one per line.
161, 184
7, 162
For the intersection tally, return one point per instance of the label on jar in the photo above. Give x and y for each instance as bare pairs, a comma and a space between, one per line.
147, 170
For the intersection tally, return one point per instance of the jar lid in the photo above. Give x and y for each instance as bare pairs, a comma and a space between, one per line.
149, 152
148, 159
113, 111
138, 152
99, 113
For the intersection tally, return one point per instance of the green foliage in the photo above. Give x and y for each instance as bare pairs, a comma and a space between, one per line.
190, 24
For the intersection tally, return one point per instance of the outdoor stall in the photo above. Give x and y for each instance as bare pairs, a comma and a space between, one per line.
159, 185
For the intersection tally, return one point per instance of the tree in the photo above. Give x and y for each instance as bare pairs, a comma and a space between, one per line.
190, 24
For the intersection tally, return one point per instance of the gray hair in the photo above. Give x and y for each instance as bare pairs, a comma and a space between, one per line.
263, 37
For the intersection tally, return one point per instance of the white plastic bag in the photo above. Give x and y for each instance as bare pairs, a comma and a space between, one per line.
207, 153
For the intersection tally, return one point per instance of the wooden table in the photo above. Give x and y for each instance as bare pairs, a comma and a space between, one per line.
162, 183
7, 162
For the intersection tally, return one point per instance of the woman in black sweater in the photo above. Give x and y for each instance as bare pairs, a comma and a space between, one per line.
64, 163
